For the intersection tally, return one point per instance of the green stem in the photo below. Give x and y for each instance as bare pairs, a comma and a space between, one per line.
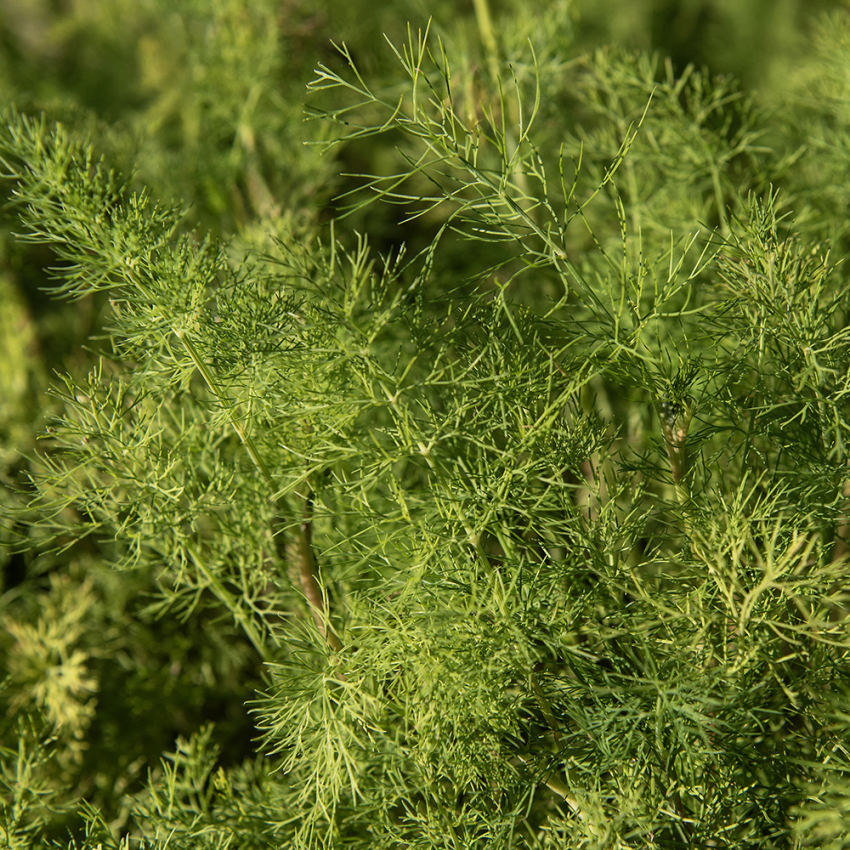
488, 36
302, 548
545, 707
244, 436
553, 783
231, 603
842, 532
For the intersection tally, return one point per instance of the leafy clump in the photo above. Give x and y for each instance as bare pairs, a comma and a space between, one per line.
526, 531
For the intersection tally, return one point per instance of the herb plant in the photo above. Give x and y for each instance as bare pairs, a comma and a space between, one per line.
528, 529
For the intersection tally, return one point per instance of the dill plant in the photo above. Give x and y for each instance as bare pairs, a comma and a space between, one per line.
534, 536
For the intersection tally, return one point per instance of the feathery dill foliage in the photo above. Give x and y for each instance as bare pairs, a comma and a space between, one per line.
535, 537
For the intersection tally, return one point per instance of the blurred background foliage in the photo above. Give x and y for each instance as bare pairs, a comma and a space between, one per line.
202, 101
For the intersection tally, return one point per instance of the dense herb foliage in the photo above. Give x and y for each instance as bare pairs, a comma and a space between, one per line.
465, 467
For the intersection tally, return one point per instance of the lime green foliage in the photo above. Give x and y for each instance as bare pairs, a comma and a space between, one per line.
472, 476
